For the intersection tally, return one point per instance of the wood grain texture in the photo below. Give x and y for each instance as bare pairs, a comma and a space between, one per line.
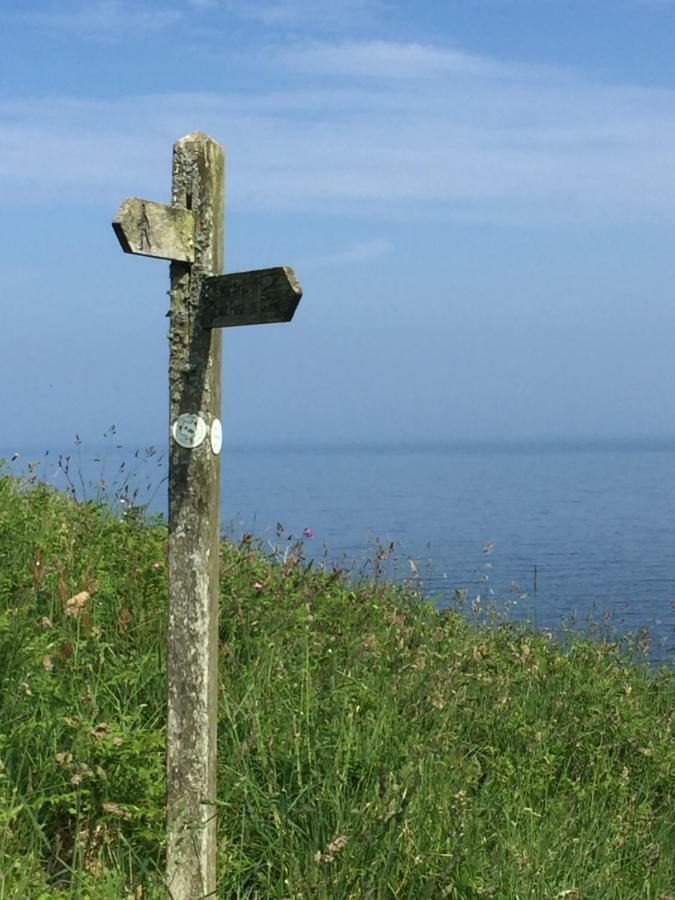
194, 533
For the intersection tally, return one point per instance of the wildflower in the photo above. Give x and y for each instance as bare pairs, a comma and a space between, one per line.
66, 650
124, 620
77, 603
335, 846
157, 565
116, 810
99, 731
308, 533
258, 585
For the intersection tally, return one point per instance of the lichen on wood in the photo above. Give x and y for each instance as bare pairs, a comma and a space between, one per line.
194, 533
250, 298
154, 229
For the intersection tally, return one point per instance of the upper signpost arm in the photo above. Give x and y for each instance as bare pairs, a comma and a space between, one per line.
147, 228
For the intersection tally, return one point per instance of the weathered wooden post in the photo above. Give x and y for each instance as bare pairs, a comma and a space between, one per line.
190, 234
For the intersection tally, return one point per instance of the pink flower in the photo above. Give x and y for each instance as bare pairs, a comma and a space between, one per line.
308, 533
157, 565
258, 585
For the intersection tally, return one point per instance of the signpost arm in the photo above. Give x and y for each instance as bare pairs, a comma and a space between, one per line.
194, 531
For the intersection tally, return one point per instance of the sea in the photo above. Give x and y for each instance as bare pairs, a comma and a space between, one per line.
564, 535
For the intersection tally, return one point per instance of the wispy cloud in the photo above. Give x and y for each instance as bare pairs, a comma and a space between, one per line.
474, 140
363, 251
106, 18
109, 17
387, 59
309, 14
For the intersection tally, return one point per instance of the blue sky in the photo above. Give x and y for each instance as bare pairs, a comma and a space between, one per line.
478, 197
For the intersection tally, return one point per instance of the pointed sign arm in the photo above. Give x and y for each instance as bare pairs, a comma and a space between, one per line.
153, 229
250, 298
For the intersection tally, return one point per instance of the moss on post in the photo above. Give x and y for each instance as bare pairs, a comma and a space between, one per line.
194, 531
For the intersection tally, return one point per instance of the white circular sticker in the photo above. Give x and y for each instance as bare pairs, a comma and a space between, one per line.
216, 436
189, 430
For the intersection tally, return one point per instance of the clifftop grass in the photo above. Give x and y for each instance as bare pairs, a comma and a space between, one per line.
369, 744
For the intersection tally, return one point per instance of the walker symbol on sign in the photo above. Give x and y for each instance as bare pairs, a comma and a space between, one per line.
189, 233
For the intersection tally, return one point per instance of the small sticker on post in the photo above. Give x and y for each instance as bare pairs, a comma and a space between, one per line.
189, 430
216, 436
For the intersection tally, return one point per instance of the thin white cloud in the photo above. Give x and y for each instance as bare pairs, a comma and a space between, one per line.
364, 251
106, 18
309, 14
389, 59
481, 142
101, 17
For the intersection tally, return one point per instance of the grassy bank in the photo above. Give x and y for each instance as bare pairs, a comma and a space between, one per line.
370, 746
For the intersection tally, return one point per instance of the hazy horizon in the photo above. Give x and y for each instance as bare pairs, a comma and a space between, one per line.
526, 443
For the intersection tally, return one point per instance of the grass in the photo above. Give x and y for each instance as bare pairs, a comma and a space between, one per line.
370, 745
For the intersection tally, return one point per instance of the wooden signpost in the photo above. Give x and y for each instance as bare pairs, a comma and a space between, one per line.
190, 234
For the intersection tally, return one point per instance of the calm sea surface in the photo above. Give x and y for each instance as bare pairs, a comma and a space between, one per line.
591, 527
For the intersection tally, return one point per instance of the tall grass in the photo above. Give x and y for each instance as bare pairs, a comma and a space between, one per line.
370, 745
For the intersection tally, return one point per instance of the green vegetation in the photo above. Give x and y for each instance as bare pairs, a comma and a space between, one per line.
370, 745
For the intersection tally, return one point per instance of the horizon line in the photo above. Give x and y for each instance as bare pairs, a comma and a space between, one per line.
529, 442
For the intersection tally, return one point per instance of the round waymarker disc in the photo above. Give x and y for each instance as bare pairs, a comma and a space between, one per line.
189, 430
216, 436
